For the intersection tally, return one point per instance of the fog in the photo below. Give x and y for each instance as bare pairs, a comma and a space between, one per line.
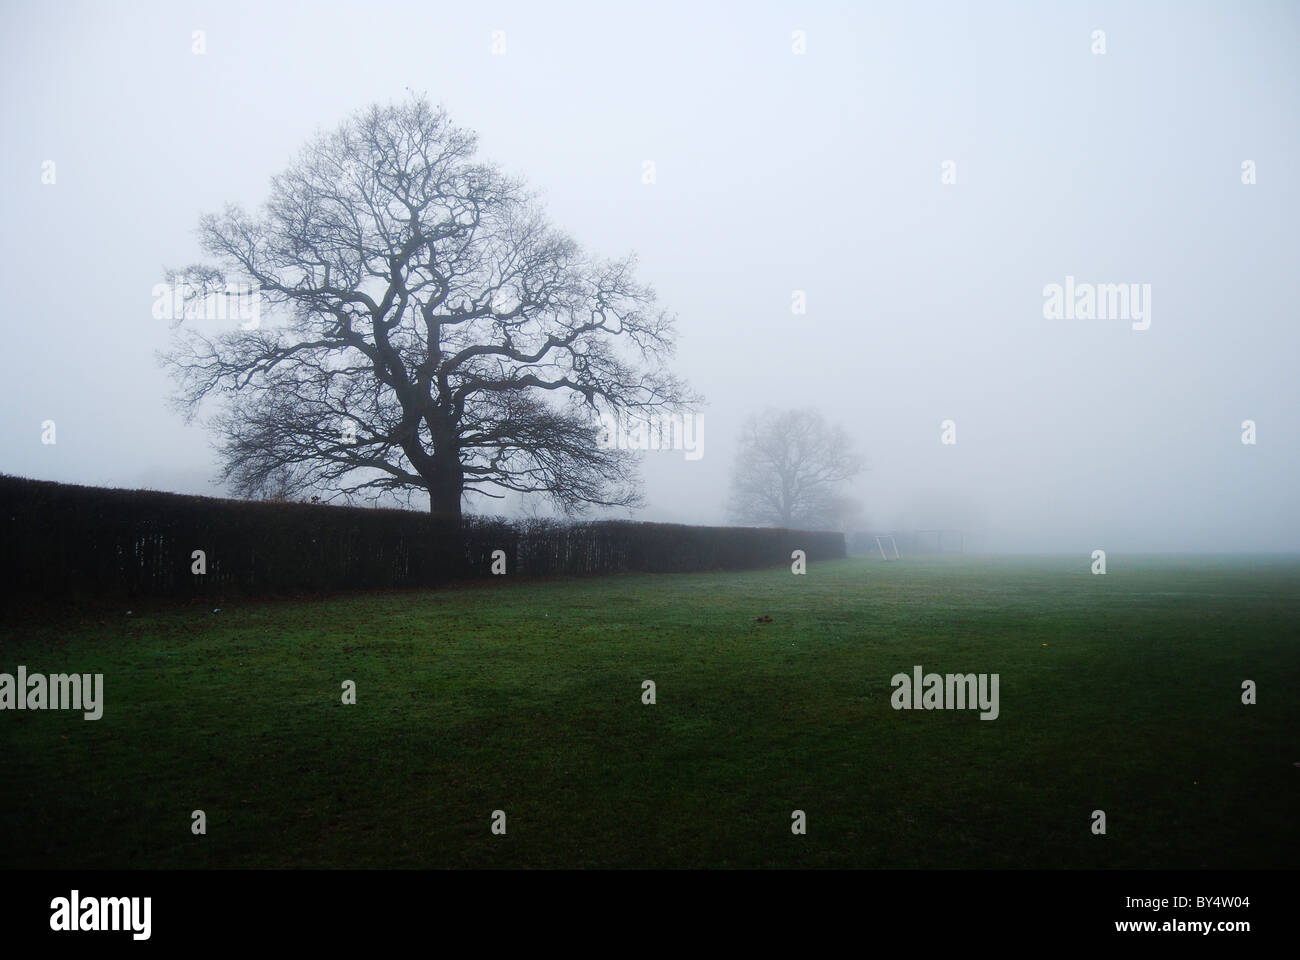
775, 172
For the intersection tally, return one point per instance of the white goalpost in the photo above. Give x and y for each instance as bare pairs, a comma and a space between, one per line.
880, 545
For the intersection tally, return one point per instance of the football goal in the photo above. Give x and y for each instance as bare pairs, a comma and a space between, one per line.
881, 540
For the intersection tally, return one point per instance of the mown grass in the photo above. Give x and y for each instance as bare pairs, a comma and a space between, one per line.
1119, 692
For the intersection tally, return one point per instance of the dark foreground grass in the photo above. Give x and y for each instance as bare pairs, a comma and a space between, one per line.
1119, 692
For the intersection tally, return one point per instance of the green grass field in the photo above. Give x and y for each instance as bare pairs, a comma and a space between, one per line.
1119, 692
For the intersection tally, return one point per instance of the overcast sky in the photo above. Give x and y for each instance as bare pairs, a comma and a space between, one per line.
775, 171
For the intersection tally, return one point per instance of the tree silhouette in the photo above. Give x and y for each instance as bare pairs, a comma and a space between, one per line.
433, 333
789, 471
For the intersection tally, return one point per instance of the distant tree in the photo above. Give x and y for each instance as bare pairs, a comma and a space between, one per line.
278, 487
790, 471
439, 335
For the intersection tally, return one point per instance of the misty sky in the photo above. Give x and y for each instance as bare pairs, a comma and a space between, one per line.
775, 172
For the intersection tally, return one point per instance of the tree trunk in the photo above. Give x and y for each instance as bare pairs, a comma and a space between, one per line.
446, 484
444, 500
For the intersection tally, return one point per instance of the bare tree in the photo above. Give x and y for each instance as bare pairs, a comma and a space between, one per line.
433, 333
790, 470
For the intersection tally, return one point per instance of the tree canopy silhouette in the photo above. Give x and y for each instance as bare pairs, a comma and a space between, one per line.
790, 469
431, 332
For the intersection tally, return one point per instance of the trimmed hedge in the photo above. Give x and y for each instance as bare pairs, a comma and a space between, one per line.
62, 540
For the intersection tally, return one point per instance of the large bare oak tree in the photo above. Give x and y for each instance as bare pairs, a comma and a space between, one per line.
790, 470
432, 332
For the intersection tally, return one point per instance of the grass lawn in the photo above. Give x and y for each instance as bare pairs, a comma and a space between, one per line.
1119, 692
